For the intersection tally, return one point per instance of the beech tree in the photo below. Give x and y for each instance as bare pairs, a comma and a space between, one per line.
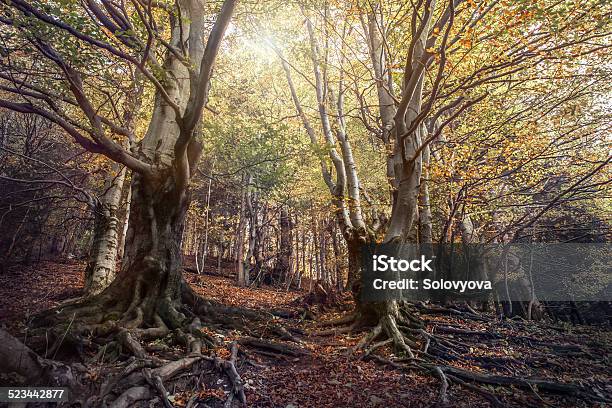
440, 81
164, 43
430, 64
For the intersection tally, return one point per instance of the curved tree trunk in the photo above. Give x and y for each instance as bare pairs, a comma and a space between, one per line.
100, 270
126, 217
403, 132
147, 290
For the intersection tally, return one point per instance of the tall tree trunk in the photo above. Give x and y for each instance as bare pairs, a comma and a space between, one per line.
323, 256
283, 265
258, 244
425, 226
101, 265
220, 249
246, 208
316, 243
144, 301
126, 217
304, 251
337, 264
147, 291
207, 221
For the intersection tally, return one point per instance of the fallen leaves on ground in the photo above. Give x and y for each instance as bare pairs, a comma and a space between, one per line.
328, 376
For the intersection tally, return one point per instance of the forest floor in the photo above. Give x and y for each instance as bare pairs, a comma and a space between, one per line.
325, 375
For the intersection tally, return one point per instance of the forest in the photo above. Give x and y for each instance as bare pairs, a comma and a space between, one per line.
192, 193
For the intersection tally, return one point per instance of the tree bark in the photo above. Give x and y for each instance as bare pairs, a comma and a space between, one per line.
246, 208
101, 266
207, 221
148, 285
425, 219
338, 281
126, 217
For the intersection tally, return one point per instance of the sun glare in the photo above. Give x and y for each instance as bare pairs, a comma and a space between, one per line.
262, 48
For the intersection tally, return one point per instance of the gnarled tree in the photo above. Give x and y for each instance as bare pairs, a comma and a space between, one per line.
164, 42
436, 79
430, 63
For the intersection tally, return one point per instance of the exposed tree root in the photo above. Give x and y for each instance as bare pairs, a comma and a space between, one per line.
337, 330
132, 366
469, 379
443, 398
428, 351
127, 340
130, 396
17, 358
437, 309
524, 383
116, 331
230, 368
397, 329
346, 319
487, 394
143, 379
100, 320
368, 338
376, 346
273, 347
171, 369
